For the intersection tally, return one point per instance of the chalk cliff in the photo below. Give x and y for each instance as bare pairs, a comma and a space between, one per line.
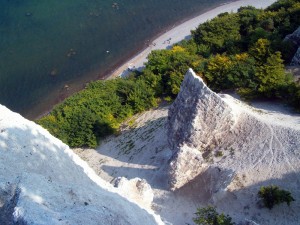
43, 182
295, 39
221, 152
198, 121
219, 137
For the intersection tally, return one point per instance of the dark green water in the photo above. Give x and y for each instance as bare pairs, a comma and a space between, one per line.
46, 44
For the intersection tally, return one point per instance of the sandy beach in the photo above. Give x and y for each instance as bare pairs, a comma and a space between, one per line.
164, 41
181, 32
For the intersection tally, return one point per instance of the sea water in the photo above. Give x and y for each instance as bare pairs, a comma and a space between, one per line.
51, 48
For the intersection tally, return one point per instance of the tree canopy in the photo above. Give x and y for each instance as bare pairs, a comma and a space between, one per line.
243, 51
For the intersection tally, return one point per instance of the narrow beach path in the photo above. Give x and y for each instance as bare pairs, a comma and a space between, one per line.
183, 31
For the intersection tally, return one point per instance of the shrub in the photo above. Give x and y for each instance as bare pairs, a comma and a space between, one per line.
218, 153
209, 216
272, 195
97, 111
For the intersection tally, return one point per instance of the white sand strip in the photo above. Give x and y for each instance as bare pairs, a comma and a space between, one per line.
183, 31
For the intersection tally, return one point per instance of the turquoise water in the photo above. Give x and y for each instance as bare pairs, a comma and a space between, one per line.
48, 44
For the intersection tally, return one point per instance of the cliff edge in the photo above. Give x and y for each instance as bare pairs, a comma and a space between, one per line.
43, 182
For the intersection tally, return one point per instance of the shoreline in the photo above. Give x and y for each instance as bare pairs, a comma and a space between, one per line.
163, 40
181, 32
149, 41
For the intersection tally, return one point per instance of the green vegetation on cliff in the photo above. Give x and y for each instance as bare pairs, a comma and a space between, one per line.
243, 51
273, 195
210, 216
98, 110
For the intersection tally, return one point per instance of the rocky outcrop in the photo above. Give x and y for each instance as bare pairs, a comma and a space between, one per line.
296, 59
218, 137
295, 39
186, 164
197, 121
137, 190
43, 182
190, 116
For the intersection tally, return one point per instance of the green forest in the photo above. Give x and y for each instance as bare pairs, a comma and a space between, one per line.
242, 51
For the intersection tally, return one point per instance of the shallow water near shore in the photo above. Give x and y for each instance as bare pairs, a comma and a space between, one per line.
50, 49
